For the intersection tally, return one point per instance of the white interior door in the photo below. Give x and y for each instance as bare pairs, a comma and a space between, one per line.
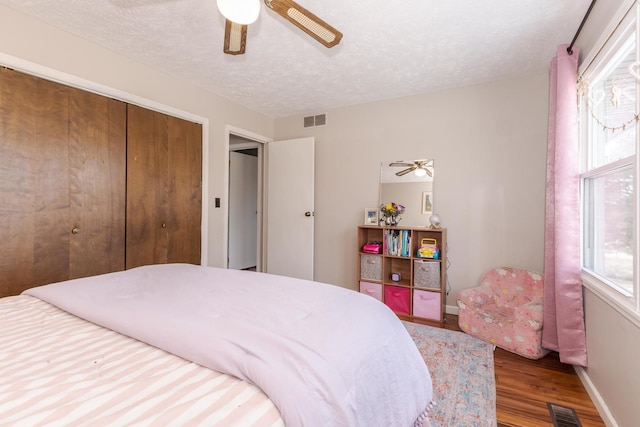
290, 205
243, 210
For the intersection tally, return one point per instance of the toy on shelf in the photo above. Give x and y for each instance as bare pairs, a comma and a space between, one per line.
373, 248
428, 249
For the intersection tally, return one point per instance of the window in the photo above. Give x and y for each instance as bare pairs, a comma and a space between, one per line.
609, 137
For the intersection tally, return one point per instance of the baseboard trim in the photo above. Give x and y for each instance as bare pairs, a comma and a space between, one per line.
597, 399
451, 309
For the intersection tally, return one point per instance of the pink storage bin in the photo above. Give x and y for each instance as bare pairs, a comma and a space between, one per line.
426, 304
371, 289
398, 299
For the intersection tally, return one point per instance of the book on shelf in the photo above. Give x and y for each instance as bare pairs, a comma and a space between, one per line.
397, 243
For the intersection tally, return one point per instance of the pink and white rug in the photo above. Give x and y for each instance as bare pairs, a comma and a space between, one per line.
461, 368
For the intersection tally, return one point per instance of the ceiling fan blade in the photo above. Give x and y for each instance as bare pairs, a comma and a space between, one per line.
235, 38
306, 21
406, 171
401, 164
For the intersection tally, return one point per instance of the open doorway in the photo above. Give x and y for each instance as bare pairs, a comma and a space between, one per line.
245, 200
285, 239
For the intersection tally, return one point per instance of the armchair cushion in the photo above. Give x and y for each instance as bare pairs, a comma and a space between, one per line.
505, 310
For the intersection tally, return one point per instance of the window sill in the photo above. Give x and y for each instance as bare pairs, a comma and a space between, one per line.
615, 300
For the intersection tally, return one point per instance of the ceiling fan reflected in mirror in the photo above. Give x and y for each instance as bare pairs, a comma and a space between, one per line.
418, 167
240, 13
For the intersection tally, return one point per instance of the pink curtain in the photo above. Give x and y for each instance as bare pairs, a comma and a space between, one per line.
563, 329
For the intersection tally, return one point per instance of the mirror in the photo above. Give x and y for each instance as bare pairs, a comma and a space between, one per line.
409, 183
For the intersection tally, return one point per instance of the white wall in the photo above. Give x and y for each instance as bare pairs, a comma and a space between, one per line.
489, 146
243, 211
613, 348
59, 53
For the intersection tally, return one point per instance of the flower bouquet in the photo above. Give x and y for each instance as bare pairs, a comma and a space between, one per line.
390, 213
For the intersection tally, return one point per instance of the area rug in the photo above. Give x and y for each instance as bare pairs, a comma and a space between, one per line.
461, 368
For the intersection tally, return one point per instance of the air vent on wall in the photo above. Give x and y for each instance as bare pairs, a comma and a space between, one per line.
319, 120
309, 122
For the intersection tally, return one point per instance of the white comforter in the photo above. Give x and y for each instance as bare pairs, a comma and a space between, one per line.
325, 356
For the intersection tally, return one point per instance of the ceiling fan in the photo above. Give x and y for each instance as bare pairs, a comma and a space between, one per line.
419, 167
235, 29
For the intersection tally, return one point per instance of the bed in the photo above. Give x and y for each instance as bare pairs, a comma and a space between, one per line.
178, 344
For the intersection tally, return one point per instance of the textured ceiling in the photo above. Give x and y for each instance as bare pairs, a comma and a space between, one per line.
390, 48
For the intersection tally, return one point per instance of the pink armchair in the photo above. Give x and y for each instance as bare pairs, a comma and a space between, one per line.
505, 310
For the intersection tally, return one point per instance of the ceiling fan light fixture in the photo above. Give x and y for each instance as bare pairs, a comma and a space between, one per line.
243, 12
420, 171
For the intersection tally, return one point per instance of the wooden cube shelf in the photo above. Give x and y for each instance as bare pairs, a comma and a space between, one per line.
425, 279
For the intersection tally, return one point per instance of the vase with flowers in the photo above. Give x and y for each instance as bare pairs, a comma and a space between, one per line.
390, 213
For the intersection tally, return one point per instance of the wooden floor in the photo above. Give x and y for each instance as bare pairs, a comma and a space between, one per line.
523, 388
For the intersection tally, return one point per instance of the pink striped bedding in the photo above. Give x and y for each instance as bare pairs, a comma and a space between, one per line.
59, 370
324, 355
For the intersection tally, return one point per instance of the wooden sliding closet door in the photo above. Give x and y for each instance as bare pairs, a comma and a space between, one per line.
97, 183
62, 182
34, 195
164, 194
